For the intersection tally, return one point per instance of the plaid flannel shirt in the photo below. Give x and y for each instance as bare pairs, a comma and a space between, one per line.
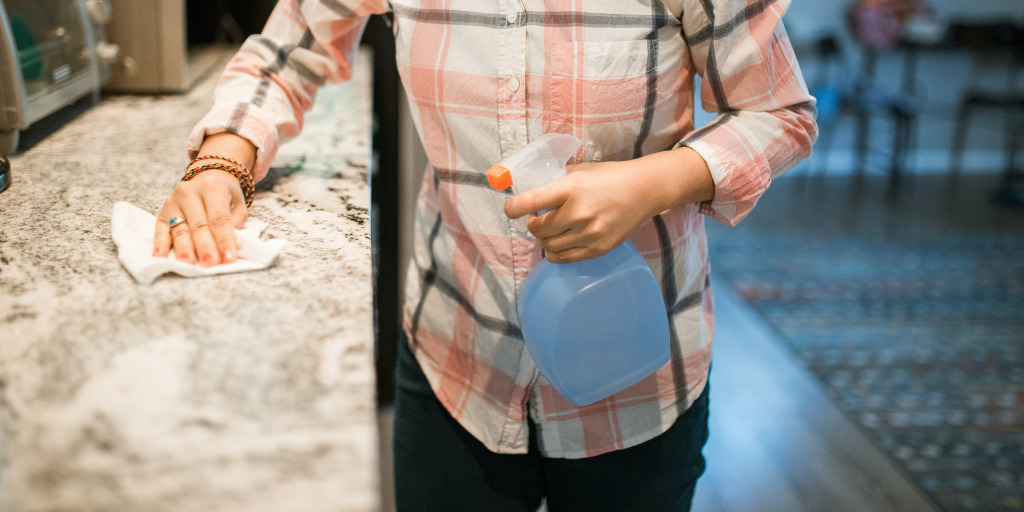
484, 77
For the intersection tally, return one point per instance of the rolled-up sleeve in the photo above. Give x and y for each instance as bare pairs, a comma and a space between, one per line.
766, 117
274, 77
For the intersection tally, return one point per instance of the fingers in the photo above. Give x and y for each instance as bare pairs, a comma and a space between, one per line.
563, 242
572, 255
574, 246
181, 239
162, 233
212, 211
576, 238
547, 197
221, 224
161, 240
191, 205
547, 225
177, 237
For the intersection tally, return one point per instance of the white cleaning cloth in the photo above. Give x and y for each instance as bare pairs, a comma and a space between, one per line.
132, 230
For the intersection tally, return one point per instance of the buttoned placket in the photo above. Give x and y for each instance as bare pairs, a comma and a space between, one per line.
511, 79
512, 89
512, 85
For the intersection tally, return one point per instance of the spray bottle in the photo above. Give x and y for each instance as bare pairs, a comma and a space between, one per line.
593, 327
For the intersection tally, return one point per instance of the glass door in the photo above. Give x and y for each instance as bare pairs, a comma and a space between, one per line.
53, 47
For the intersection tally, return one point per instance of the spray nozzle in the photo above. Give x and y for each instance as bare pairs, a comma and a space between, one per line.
535, 165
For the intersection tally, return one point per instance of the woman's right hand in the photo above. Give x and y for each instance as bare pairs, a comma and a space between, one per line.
212, 205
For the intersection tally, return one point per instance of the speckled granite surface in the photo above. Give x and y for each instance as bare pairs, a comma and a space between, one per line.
242, 392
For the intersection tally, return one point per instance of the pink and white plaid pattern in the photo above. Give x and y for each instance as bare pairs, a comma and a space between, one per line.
484, 77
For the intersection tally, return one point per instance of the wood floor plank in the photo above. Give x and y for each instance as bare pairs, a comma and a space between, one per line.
777, 442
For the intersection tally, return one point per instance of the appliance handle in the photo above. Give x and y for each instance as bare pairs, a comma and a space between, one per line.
99, 10
90, 37
13, 102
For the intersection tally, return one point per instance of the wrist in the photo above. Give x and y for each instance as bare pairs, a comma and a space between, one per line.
228, 165
674, 177
233, 146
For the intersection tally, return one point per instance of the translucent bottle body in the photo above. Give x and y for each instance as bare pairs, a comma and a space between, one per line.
593, 327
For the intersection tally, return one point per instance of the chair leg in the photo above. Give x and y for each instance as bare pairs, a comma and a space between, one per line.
908, 159
826, 134
897, 149
963, 119
863, 131
1011, 190
901, 141
1012, 134
1018, 133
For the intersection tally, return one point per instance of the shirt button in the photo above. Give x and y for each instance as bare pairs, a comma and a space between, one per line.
512, 16
513, 84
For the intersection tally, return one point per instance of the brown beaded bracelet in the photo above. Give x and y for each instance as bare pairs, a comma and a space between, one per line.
240, 172
242, 181
218, 157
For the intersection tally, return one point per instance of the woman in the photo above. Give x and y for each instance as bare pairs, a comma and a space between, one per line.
477, 427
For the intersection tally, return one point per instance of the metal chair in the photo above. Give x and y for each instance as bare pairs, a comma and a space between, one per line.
1009, 101
857, 93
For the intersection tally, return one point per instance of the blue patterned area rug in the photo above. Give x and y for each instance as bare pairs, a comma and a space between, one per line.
920, 343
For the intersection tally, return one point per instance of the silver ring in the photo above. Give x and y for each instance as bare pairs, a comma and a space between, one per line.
175, 221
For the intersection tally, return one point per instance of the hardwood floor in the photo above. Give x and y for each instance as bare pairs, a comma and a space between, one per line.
777, 443
824, 462
386, 421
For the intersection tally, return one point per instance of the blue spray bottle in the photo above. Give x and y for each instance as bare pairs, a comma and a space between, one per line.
594, 327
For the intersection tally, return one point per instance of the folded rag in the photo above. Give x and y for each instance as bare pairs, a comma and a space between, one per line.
132, 230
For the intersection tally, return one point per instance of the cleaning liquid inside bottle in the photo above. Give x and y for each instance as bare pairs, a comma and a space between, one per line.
593, 327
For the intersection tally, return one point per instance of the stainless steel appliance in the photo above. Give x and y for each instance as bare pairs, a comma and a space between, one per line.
52, 53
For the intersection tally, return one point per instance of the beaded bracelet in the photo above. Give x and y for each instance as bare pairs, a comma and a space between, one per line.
244, 178
218, 157
246, 181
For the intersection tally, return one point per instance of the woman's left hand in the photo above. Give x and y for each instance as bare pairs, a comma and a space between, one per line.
598, 205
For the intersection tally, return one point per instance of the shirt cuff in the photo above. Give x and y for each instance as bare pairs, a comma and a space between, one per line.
244, 120
739, 168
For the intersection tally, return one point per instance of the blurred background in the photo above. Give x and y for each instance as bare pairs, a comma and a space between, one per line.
870, 311
882, 280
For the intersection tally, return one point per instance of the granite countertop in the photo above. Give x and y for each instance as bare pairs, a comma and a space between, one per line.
241, 392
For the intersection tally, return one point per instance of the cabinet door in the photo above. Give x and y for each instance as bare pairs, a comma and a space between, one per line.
151, 36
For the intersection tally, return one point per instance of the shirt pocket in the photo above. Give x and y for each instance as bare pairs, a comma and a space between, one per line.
598, 92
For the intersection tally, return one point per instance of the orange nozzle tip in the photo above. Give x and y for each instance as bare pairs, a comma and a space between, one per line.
499, 177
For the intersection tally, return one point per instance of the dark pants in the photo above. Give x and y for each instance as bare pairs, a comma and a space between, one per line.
439, 466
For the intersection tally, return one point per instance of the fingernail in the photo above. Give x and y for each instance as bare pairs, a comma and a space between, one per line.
208, 261
227, 256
